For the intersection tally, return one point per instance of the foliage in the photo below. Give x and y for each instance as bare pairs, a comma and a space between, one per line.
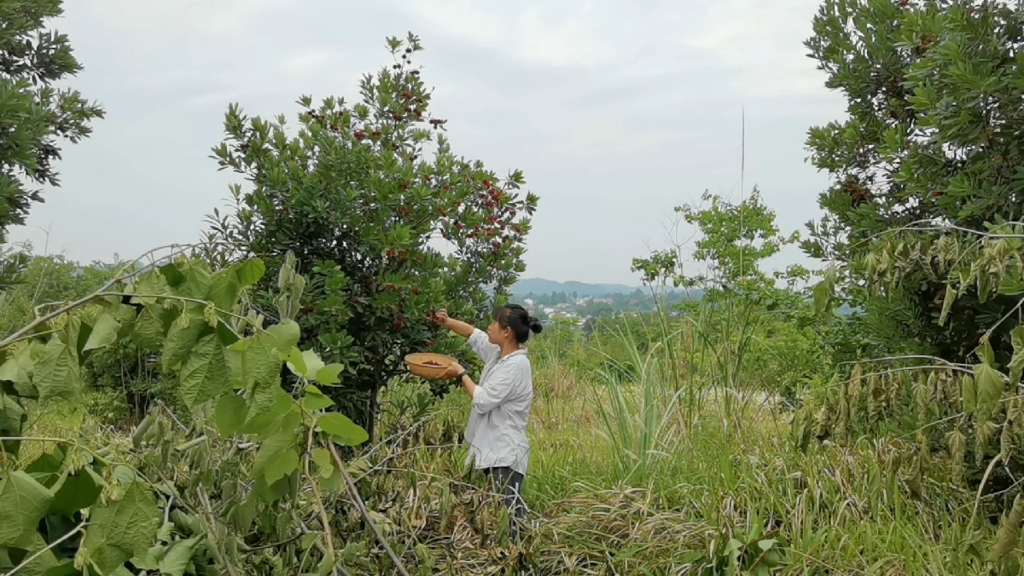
34, 115
929, 150
82, 510
44, 280
361, 194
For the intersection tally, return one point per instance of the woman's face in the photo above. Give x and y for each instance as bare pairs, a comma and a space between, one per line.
498, 335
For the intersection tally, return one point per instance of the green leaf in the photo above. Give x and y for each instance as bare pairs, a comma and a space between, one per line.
313, 364
296, 362
287, 333
342, 429
268, 403
260, 362
250, 272
178, 557
173, 276
23, 502
224, 290
149, 331
328, 375
57, 372
104, 332
18, 368
182, 336
46, 564
122, 529
204, 375
324, 465
314, 399
45, 469
277, 457
76, 492
985, 354
230, 414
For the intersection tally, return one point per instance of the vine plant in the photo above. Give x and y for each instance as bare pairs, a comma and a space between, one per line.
240, 490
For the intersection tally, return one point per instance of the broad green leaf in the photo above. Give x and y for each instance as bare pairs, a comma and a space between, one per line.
276, 457
297, 362
12, 420
151, 560
178, 557
104, 332
76, 492
313, 364
230, 414
46, 468
329, 374
204, 375
268, 403
57, 372
23, 502
986, 355
173, 275
324, 465
18, 368
46, 564
122, 529
342, 429
182, 336
224, 290
250, 272
148, 334
314, 399
287, 334
149, 287
259, 361
283, 464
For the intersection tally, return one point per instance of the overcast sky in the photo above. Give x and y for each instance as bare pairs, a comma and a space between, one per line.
616, 111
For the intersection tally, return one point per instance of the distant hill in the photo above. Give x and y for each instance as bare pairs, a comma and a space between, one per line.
582, 289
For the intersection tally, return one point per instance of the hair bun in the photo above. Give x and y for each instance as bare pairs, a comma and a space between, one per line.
535, 325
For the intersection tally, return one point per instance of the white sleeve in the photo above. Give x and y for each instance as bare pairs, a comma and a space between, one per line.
489, 395
480, 344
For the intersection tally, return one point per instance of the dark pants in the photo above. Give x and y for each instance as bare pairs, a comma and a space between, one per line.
510, 483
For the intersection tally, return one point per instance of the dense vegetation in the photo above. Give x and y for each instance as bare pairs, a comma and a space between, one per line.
239, 406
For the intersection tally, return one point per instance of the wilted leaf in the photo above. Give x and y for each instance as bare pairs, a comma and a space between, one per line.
989, 386
970, 395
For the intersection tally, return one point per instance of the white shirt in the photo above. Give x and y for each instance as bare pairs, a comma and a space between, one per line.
496, 431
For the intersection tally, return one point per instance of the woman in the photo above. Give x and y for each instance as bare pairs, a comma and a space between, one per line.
496, 431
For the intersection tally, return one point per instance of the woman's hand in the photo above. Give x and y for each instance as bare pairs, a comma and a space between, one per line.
441, 317
452, 371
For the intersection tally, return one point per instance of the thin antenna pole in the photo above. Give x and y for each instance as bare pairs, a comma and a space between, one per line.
743, 166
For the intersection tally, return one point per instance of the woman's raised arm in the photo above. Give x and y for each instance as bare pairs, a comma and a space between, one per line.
457, 326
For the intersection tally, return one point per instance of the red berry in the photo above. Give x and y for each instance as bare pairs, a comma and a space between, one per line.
360, 135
